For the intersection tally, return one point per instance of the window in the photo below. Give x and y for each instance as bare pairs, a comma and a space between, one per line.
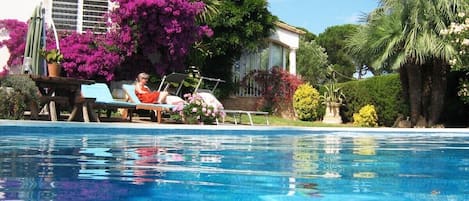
274, 55
80, 15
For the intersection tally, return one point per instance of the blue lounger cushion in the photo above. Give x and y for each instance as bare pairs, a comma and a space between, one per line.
103, 96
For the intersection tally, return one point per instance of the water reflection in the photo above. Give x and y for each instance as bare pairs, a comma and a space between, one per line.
220, 167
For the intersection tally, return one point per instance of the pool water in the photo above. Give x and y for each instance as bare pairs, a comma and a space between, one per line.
258, 166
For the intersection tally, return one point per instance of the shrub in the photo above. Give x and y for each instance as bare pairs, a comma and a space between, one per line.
165, 28
366, 117
12, 104
384, 92
277, 88
16, 94
306, 102
22, 84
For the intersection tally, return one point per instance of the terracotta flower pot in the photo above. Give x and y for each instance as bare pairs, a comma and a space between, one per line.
53, 69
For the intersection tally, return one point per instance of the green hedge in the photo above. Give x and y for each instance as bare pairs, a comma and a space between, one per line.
384, 92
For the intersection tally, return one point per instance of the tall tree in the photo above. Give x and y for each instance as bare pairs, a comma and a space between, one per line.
405, 35
307, 36
334, 40
312, 62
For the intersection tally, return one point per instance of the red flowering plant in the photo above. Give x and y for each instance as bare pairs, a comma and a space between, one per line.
277, 87
159, 27
15, 43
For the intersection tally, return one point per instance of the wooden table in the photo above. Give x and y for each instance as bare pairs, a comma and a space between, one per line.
63, 89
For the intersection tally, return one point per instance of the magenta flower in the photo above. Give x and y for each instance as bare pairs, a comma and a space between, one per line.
166, 28
16, 42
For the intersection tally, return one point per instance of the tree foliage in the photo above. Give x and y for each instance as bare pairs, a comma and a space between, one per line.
307, 36
312, 62
405, 35
333, 39
239, 26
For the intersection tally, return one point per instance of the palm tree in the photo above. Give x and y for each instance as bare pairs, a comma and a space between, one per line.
210, 10
405, 35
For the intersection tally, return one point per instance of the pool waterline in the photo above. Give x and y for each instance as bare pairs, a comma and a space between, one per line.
93, 127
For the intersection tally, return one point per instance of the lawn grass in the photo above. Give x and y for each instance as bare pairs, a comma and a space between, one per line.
279, 121
273, 121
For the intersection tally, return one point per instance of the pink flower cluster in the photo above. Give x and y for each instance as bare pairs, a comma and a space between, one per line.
197, 110
89, 56
16, 42
164, 27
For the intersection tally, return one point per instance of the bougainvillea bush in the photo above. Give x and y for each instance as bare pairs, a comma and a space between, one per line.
15, 43
88, 55
159, 27
161, 30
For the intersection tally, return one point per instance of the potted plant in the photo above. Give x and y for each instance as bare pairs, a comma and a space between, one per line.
53, 58
333, 98
197, 111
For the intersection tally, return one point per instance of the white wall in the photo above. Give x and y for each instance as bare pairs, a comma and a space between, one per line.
285, 37
290, 40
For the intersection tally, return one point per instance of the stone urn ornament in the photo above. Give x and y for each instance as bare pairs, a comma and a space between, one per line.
333, 99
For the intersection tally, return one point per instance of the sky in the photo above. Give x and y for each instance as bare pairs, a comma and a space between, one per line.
314, 15
317, 15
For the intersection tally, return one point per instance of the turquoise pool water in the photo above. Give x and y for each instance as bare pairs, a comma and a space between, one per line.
108, 162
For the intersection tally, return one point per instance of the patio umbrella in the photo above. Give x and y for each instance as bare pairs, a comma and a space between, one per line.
34, 42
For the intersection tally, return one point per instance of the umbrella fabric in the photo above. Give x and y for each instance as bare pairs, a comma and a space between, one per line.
35, 41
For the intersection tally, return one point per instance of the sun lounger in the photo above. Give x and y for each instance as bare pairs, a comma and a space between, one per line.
209, 98
104, 99
173, 78
132, 97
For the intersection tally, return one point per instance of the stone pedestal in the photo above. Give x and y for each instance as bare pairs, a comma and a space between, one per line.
332, 115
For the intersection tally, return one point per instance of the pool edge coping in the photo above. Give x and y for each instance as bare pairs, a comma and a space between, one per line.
155, 126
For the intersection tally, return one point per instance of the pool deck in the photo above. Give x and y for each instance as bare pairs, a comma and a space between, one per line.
152, 126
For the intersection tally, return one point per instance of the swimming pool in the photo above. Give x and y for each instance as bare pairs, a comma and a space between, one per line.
77, 161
